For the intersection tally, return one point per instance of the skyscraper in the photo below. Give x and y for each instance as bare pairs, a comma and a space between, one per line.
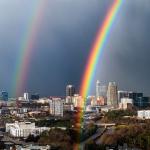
101, 93
112, 98
56, 107
101, 90
97, 89
26, 96
70, 90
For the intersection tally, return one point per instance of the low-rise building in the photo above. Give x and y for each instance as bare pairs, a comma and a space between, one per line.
126, 103
101, 101
23, 129
68, 107
78, 101
143, 114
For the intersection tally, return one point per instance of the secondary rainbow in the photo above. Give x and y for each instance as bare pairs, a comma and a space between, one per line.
27, 48
98, 47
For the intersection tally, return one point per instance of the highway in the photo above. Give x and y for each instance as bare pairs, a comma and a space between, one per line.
93, 137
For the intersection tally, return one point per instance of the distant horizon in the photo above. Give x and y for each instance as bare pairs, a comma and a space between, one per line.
91, 94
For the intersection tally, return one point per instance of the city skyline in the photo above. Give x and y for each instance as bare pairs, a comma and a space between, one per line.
74, 74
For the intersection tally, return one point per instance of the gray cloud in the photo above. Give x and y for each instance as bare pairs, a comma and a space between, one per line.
126, 56
67, 31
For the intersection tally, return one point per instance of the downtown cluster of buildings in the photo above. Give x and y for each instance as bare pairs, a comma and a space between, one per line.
112, 97
106, 97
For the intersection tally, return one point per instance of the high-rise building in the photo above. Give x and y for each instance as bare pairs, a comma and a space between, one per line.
101, 93
26, 96
137, 97
142, 102
56, 106
4, 96
112, 98
97, 89
70, 90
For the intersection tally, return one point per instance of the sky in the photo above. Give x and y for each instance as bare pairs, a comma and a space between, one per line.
65, 36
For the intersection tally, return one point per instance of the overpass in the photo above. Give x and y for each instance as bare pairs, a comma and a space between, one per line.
105, 125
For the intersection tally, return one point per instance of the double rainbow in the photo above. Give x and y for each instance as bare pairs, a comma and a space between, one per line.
27, 48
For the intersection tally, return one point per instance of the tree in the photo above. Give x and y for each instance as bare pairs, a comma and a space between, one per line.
91, 145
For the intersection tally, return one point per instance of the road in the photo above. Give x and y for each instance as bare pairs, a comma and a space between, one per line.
105, 124
93, 137
11, 139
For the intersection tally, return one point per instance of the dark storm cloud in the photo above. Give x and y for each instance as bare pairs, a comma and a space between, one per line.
66, 34
70, 28
62, 43
126, 57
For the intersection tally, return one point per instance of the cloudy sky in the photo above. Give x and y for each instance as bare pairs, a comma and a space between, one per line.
66, 32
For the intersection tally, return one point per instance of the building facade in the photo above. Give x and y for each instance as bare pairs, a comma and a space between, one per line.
101, 91
26, 96
23, 129
56, 106
35, 96
112, 97
143, 114
97, 89
124, 94
126, 103
78, 101
70, 90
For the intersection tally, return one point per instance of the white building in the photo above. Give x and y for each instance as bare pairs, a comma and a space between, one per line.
42, 100
26, 96
23, 129
144, 114
21, 99
56, 106
126, 103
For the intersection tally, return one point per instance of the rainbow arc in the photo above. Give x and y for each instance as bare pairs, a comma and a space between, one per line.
98, 47
27, 48
96, 53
